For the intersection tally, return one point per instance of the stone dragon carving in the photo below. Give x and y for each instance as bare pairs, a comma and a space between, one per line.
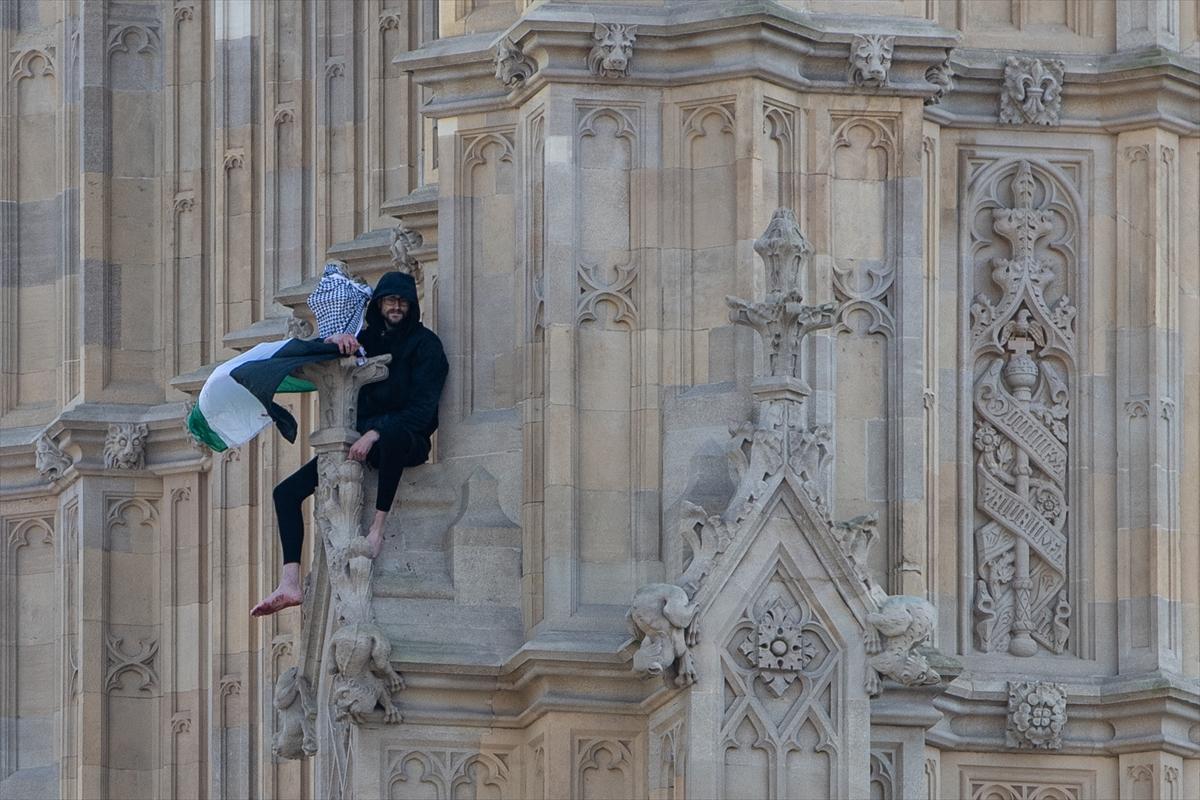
610, 55
295, 737
663, 619
899, 625
870, 59
1032, 91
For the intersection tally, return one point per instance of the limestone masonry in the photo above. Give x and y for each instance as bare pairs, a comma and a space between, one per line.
823, 417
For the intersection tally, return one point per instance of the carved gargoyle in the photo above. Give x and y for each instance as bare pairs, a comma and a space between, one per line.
663, 619
870, 59
513, 67
50, 461
125, 446
610, 55
363, 674
894, 632
296, 737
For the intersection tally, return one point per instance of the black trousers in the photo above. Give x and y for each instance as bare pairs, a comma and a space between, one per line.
389, 456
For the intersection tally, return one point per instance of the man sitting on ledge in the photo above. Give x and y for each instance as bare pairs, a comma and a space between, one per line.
396, 417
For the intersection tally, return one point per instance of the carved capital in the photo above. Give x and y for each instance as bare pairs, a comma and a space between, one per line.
338, 383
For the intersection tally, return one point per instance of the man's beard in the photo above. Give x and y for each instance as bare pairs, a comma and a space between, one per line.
399, 319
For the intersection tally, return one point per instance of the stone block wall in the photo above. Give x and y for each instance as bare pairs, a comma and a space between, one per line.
1016, 195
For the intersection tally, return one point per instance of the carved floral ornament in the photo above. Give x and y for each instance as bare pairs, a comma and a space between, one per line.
1032, 91
1037, 714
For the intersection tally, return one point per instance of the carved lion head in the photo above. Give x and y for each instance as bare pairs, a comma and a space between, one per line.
609, 57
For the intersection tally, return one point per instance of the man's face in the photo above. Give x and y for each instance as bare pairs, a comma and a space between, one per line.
394, 309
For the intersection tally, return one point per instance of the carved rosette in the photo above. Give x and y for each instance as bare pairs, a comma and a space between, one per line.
870, 59
1023, 340
1032, 91
1037, 714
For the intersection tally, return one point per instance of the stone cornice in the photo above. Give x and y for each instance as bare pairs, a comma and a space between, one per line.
80, 432
1108, 93
1125, 714
677, 45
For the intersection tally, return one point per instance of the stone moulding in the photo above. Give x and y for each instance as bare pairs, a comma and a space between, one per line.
767, 41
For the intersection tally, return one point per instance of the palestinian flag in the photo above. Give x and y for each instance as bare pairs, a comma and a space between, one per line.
236, 401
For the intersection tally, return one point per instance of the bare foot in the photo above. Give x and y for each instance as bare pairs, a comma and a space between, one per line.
281, 598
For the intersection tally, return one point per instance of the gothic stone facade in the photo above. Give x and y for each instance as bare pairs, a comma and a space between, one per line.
822, 418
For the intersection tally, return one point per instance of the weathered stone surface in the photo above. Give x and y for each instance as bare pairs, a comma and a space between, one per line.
947, 435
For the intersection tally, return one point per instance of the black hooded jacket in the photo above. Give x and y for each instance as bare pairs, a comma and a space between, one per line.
406, 403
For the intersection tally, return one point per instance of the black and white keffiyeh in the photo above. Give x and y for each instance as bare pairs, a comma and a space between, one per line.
338, 302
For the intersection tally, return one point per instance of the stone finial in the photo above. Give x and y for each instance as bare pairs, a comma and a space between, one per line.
51, 462
513, 67
1032, 91
784, 250
1037, 714
611, 54
782, 319
941, 76
899, 625
125, 446
870, 59
663, 620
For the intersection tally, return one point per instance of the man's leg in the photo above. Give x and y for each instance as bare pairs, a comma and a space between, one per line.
288, 496
391, 459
